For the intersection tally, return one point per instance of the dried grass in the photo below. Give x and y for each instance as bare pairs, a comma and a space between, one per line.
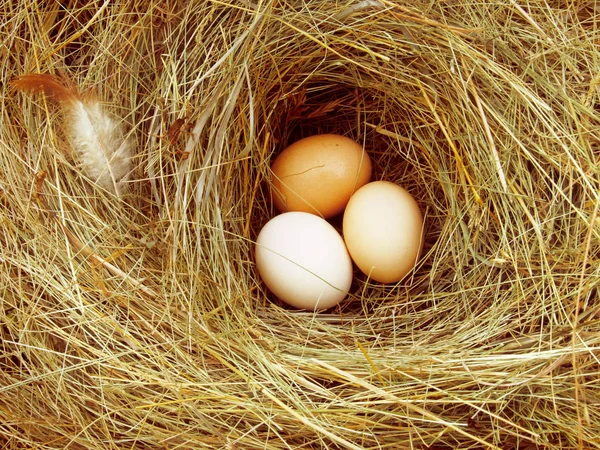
139, 322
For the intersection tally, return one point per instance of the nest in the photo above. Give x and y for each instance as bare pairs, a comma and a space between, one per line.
140, 321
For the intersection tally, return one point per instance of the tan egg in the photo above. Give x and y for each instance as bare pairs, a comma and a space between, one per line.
382, 228
319, 174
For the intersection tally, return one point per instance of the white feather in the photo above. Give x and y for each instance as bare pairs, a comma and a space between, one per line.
104, 152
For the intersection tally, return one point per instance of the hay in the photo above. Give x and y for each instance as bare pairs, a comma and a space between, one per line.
139, 322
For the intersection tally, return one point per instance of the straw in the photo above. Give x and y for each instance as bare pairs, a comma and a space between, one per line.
140, 321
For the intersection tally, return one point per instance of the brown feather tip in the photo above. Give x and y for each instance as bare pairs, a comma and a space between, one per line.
47, 84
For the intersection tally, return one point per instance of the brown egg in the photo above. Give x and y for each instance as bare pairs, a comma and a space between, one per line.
319, 174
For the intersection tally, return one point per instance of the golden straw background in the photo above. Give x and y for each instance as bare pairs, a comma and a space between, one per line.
140, 323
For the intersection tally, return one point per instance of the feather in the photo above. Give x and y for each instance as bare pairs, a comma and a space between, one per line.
47, 84
103, 151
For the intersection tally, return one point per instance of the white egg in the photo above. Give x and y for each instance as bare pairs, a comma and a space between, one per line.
303, 260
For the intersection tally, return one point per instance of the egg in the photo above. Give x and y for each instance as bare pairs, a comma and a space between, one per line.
382, 228
319, 174
303, 261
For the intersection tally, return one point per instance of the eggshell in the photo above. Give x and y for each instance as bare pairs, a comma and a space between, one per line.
319, 174
382, 228
303, 260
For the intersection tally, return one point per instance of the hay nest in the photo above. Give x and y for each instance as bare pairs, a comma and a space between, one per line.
139, 321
